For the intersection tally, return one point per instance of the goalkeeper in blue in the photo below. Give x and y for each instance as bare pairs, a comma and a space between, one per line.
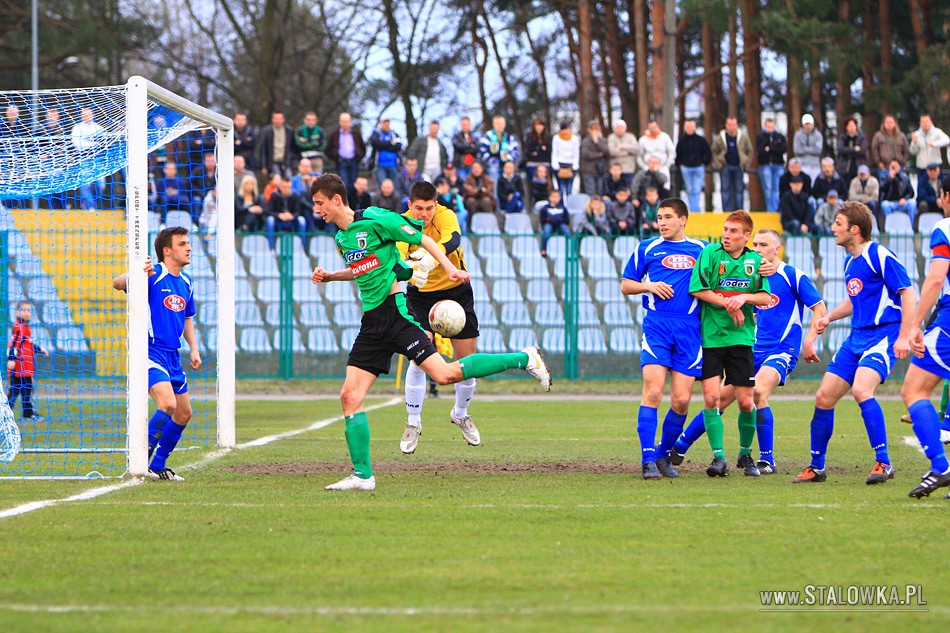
931, 362
171, 305
778, 343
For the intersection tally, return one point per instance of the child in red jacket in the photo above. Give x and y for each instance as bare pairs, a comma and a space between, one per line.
21, 360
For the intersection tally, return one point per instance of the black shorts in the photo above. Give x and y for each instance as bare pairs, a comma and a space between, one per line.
736, 361
386, 330
421, 302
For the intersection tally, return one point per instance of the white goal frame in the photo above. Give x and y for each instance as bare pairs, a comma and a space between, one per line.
140, 91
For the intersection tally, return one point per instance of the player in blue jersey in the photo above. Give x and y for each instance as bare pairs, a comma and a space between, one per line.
778, 342
932, 356
660, 270
171, 306
881, 303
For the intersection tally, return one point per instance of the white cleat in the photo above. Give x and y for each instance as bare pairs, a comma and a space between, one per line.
469, 432
945, 436
353, 483
166, 474
537, 368
410, 439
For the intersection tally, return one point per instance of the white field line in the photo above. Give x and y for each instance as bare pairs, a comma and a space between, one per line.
912, 442
517, 506
201, 463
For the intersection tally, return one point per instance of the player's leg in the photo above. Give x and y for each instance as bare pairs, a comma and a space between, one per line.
866, 381
480, 365
745, 401
654, 377
833, 388
697, 426
26, 392
712, 420
355, 387
14, 391
767, 379
171, 433
163, 395
464, 391
415, 395
918, 385
681, 391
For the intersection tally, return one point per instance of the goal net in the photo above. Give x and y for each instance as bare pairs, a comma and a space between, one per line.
87, 179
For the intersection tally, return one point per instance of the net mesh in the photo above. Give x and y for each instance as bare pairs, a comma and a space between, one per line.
66, 327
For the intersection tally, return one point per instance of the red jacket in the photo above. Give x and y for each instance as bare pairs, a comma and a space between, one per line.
22, 350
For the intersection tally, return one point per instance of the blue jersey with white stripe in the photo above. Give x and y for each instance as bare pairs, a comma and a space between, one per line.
874, 280
170, 301
661, 260
779, 325
940, 249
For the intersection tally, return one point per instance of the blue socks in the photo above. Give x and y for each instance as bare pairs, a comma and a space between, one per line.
695, 430
927, 429
646, 429
155, 426
822, 426
171, 433
672, 427
765, 431
877, 433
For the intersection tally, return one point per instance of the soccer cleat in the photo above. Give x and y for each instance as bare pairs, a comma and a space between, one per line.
747, 465
469, 432
811, 475
675, 458
537, 368
433, 389
930, 482
880, 473
718, 468
410, 439
766, 467
650, 471
166, 474
906, 419
663, 465
945, 436
353, 483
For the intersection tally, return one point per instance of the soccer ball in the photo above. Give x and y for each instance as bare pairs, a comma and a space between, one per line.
447, 318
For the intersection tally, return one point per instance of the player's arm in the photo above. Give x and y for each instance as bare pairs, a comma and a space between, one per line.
843, 311
436, 251
700, 285
908, 311
192, 340
122, 281
659, 288
929, 294
710, 297
809, 353
321, 275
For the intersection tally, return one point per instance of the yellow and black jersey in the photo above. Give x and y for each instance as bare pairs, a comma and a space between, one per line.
447, 234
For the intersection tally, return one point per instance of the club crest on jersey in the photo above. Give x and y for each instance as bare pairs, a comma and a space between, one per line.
678, 262
722, 268
361, 242
408, 230
174, 303
749, 267
855, 286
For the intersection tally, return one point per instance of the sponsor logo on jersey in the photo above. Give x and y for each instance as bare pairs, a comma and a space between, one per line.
174, 303
749, 267
855, 286
365, 265
354, 256
679, 262
408, 230
773, 301
731, 282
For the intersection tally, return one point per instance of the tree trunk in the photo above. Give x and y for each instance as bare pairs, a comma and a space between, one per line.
680, 79
814, 77
539, 62
887, 58
618, 66
572, 48
638, 17
480, 56
401, 71
669, 63
587, 104
711, 95
842, 85
920, 32
657, 61
751, 67
872, 116
509, 91
606, 81
794, 91
733, 65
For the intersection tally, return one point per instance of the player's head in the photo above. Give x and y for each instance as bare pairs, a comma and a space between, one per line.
329, 196
736, 231
671, 217
945, 196
172, 245
24, 310
767, 243
422, 201
852, 224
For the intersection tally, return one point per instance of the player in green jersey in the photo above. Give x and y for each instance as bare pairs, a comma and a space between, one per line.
728, 281
367, 240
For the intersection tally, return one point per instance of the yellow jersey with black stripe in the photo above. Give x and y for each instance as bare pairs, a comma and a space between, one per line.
445, 231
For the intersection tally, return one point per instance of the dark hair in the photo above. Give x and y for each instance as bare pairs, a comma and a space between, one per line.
679, 207
164, 240
422, 190
329, 185
857, 214
23, 302
945, 185
850, 119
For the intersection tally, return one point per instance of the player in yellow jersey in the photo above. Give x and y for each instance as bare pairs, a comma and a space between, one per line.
441, 224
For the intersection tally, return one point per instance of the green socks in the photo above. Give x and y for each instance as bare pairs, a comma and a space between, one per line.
480, 365
713, 423
746, 431
357, 441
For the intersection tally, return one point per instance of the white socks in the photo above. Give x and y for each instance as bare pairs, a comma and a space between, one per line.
463, 395
415, 394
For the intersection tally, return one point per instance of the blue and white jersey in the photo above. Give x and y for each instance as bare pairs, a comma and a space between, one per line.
873, 280
661, 260
170, 301
940, 249
779, 325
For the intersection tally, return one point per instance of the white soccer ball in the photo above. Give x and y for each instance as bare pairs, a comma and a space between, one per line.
447, 318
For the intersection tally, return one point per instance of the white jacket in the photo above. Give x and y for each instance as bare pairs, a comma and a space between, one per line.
565, 152
661, 146
928, 148
84, 134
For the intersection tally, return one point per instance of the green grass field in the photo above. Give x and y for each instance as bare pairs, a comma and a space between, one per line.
545, 527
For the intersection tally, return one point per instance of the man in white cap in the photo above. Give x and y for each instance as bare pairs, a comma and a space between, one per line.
807, 146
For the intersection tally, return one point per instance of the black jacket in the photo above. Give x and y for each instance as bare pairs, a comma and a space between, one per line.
266, 142
777, 144
692, 150
506, 187
792, 207
783, 184
464, 149
536, 150
823, 185
245, 144
278, 204
894, 189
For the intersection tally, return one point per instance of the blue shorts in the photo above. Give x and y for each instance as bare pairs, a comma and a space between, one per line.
936, 358
672, 342
868, 347
165, 366
782, 360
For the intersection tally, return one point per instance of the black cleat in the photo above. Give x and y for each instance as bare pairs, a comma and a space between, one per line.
880, 473
930, 482
650, 472
718, 468
747, 465
675, 458
663, 465
766, 467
